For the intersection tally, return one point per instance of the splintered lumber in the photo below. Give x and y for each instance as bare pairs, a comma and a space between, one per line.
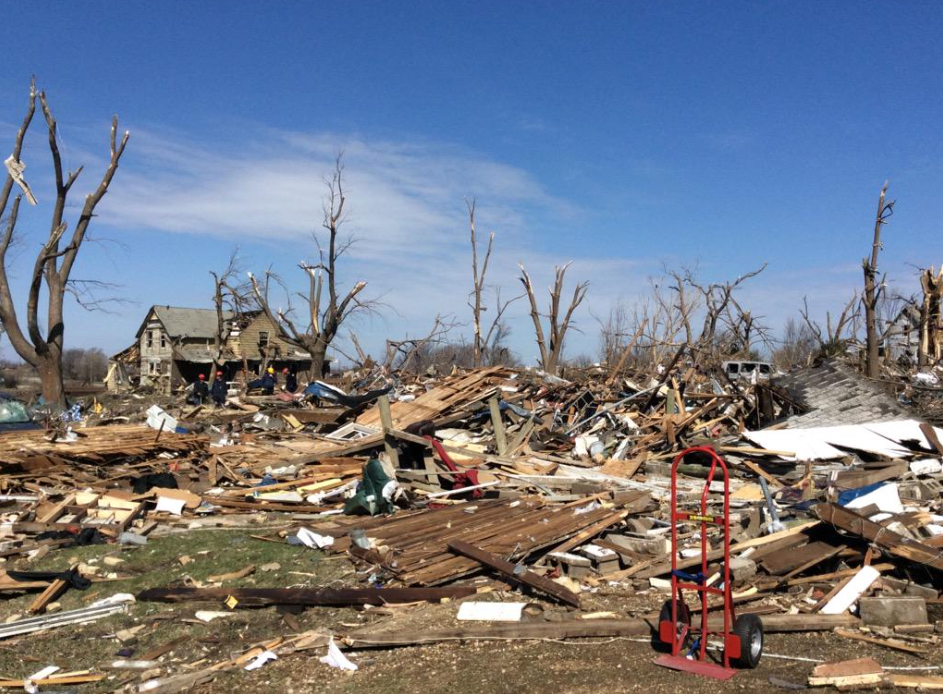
325, 597
233, 575
665, 566
847, 674
590, 532
450, 395
578, 628
895, 644
509, 570
900, 679
885, 539
96, 445
787, 560
53, 681
510, 529
55, 589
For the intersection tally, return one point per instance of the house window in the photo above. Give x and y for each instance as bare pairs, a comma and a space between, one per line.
263, 338
150, 338
158, 367
163, 340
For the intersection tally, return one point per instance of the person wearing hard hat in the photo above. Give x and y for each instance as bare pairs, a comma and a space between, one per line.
266, 383
291, 381
219, 389
201, 391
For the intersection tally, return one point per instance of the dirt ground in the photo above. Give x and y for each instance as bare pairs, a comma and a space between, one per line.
572, 667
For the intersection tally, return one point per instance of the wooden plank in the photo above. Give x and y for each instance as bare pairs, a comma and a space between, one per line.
902, 679
589, 532
55, 589
665, 565
383, 403
514, 572
786, 560
895, 644
577, 628
847, 674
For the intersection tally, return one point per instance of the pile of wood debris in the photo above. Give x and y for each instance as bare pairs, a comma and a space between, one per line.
514, 479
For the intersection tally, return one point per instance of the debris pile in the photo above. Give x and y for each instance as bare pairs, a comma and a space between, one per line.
540, 505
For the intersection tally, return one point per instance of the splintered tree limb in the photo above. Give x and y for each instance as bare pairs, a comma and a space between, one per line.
870, 297
513, 572
535, 316
550, 353
260, 597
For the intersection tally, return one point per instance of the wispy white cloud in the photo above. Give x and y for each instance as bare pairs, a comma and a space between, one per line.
406, 209
406, 205
401, 196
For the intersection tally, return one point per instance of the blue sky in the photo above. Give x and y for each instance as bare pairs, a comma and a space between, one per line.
620, 136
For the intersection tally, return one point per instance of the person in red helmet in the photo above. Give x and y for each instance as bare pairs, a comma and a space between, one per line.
219, 390
201, 391
291, 381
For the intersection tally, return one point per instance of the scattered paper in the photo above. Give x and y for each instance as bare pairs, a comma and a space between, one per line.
335, 658
260, 660
491, 611
313, 540
158, 419
210, 615
172, 506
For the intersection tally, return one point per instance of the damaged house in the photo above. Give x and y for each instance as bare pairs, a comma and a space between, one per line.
175, 345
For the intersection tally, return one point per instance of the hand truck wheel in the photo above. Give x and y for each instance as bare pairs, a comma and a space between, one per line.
684, 619
750, 630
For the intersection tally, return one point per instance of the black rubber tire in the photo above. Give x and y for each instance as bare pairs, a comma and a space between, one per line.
750, 630
684, 616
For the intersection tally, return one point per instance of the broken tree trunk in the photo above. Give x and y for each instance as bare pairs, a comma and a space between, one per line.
259, 597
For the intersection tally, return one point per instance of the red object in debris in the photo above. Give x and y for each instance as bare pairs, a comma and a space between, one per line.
743, 637
469, 478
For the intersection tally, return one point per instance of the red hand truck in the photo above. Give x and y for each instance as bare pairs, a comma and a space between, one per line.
742, 636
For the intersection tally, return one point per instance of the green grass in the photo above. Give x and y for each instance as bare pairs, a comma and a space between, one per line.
154, 565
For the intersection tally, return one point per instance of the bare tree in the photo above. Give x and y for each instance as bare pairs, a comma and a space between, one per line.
483, 340
321, 323
718, 300
834, 341
559, 323
232, 298
871, 292
796, 346
52, 268
401, 354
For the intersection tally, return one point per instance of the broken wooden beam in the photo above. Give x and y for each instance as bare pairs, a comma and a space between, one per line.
260, 597
579, 628
879, 535
516, 572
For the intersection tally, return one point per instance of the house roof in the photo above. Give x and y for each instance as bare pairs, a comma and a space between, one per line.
185, 322
835, 395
